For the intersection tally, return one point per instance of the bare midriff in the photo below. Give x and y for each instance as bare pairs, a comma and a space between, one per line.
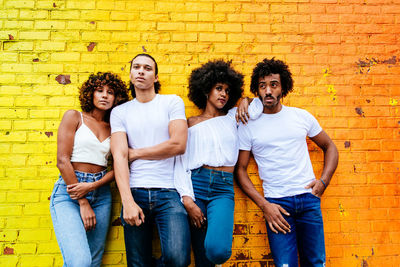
87, 167
222, 168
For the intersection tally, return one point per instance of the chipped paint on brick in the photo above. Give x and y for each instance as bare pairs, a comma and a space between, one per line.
117, 222
365, 65
347, 144
63, 79
91, 46
240, 229
359, 111
241, 256
332, 92
393, 102
8, 251
342, 211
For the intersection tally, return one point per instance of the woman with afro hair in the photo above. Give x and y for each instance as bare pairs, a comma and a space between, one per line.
210, 157
80, 204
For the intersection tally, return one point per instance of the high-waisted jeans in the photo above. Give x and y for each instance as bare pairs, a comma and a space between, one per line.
212, 244
80, 248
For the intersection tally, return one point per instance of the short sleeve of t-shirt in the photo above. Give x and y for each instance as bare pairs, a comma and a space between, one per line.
117, 124
313, 127
244, 137
176, 108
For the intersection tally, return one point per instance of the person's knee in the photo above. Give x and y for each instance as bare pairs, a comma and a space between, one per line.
177, 258
218, 254
79, 262
179, 261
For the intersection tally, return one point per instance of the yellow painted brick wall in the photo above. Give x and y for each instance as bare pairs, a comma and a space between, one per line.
345, 57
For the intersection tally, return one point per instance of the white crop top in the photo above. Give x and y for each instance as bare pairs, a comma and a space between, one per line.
213, 142
88, 148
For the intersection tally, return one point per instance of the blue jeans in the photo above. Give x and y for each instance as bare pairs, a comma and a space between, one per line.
307, 233
79, 247
212, 244
163, 208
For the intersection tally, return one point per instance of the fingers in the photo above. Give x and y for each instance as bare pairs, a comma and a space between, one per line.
141, 218
71, 186
243, 116
317, 188
198, 221
280, 227
133, 216
74, 197
282, 210
90, 222
276, 221
310, 185
197, 217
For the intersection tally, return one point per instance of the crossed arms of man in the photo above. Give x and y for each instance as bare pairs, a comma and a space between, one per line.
273, 212
175, 145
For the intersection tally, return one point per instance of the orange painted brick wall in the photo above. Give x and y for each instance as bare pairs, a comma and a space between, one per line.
345, 57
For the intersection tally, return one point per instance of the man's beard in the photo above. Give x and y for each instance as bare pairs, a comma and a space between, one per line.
274, 103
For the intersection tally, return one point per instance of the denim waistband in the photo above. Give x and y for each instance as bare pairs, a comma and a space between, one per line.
85, 176
211, 171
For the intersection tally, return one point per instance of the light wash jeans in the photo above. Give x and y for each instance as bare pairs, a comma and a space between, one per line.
161, 207
213, 190
306, 238
78, 247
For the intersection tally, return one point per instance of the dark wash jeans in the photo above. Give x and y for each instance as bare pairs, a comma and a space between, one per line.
212, 244
162, 207
306, 236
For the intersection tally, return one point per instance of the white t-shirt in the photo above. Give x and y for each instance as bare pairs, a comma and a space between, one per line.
278, 143
146, 124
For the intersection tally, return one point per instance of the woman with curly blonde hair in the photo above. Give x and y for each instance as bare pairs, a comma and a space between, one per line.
80, 204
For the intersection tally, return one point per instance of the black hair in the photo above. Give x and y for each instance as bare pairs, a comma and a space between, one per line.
157, 85
268, 67
204, 78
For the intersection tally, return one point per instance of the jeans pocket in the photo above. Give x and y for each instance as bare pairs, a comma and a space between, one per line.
314, 196
196, 171
227, 179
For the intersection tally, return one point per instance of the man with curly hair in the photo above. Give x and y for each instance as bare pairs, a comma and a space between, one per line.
149, 131
277, 139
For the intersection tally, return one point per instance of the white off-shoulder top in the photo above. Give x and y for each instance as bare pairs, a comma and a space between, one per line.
214, 142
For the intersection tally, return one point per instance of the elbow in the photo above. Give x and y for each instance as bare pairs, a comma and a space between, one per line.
179, 148
62, 162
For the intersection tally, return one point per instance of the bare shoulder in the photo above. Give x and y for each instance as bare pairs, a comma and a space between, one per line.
194, 120
71, 117
71, 113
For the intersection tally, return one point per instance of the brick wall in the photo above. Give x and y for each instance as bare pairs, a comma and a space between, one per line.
346, 63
